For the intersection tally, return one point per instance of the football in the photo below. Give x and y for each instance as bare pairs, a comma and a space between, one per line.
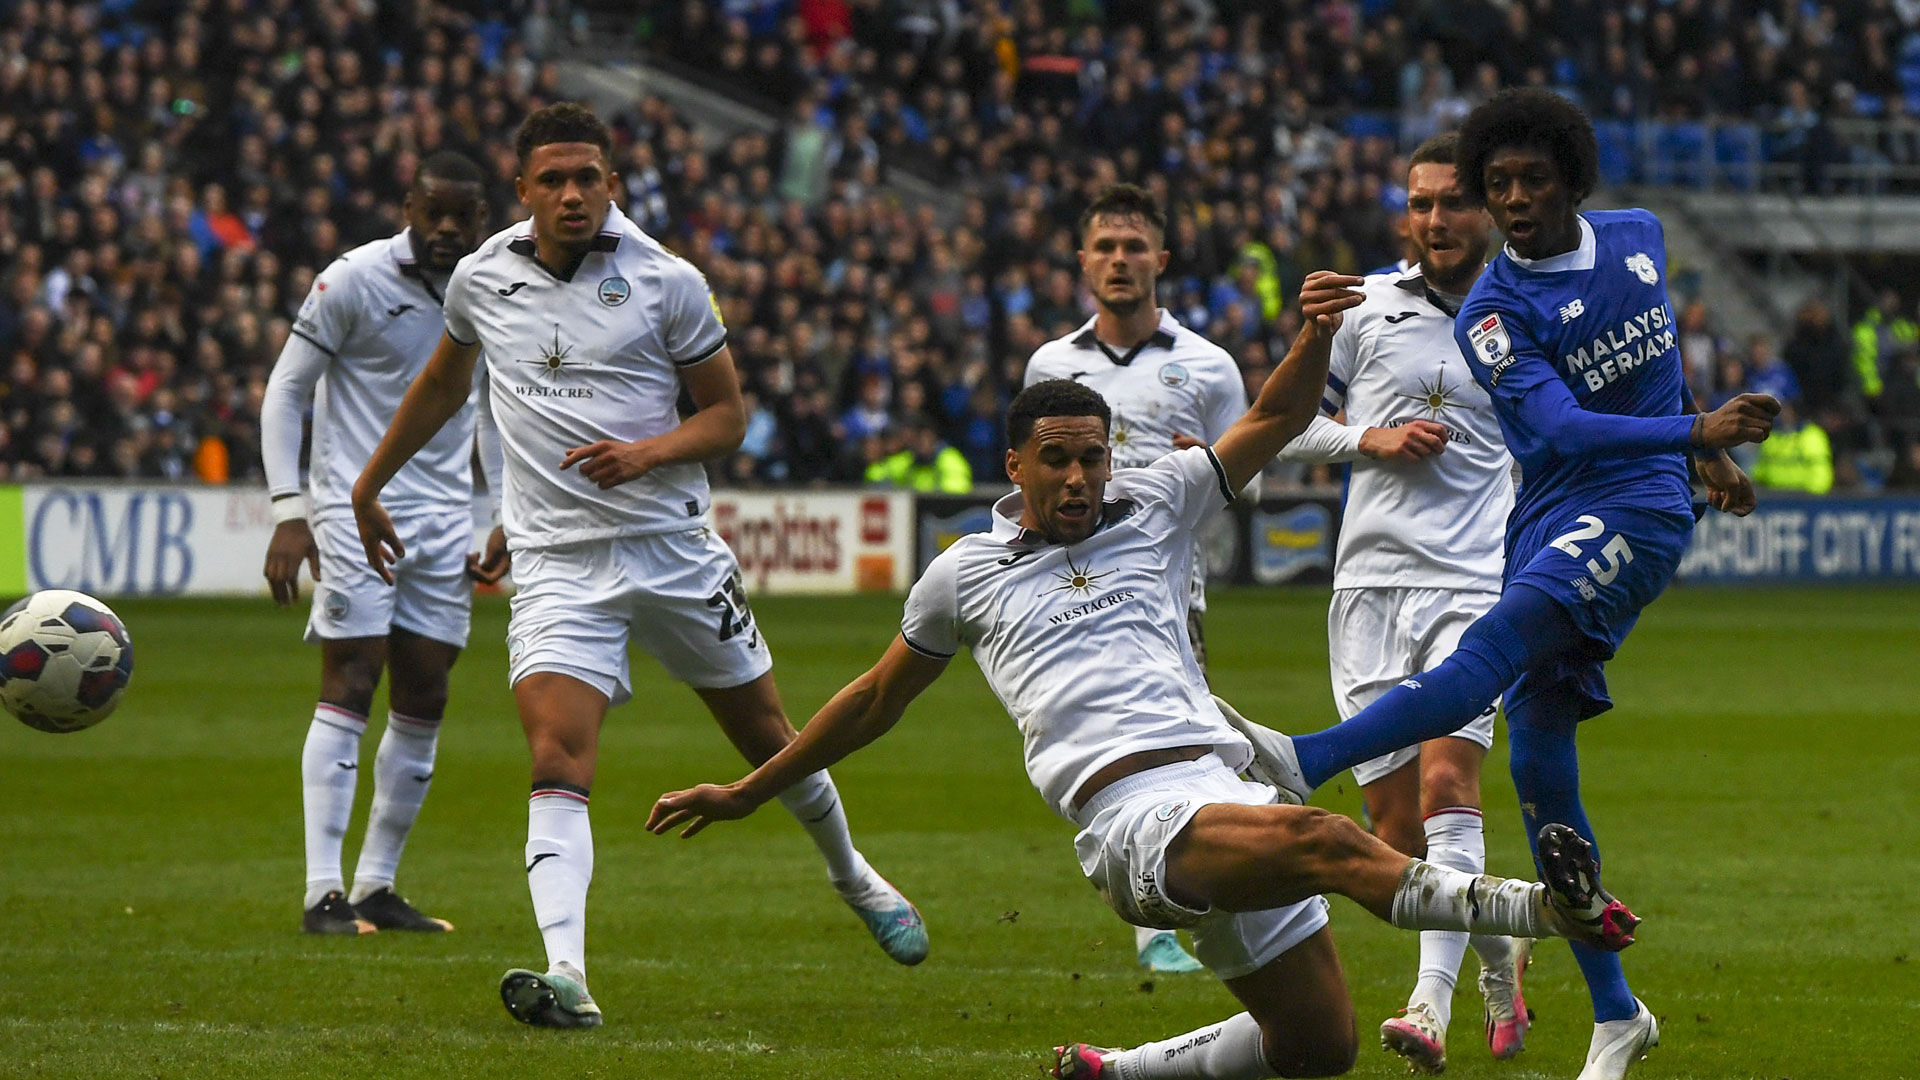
65, 659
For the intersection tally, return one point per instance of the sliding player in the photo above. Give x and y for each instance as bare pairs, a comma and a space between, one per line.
1169, 389
1074, 606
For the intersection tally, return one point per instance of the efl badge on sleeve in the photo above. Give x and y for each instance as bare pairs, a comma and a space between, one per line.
1489, 341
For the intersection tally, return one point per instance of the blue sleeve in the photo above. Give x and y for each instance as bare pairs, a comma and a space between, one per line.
1526, 388
1551, 412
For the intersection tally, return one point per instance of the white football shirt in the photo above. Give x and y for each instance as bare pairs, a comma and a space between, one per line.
1086, 644
1439, 523
376, 315
1176, 383
570, 361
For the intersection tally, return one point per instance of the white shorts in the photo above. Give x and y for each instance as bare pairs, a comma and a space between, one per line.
431, 594
1125, 830
1378, 637
677, 595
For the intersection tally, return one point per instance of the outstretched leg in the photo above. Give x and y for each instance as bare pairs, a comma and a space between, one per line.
1525, 629
756, 723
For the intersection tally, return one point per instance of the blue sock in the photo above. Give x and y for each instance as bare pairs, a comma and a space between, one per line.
1525, 626
1546, 775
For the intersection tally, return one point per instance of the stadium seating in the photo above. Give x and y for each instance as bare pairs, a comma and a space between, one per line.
157, 246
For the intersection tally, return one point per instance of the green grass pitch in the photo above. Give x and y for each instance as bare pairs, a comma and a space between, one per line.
1755, 788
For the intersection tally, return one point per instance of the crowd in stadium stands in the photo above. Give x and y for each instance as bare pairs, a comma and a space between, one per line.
169, 189
1257, 122
170, 186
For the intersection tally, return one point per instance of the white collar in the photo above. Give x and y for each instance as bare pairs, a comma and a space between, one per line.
1580, 258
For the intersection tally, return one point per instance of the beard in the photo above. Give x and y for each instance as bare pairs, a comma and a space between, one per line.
1123, 306
1450, 279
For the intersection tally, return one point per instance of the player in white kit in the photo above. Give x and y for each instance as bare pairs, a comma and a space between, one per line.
1074, 607
590, 328
1169, 389
1419, 558
362, 335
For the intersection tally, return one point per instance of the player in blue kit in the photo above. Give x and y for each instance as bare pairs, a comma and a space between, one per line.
1571, 333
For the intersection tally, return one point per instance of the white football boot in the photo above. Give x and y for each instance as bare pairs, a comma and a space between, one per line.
1617, 1044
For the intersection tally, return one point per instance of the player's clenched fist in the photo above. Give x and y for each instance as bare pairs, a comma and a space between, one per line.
1415, 440
1748, 418
1323, 296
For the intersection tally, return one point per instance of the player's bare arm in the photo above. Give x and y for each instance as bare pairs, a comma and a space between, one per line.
1291, 396
715, 429
435, 396
861, 712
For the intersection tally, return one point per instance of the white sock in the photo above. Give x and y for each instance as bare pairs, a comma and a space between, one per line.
1229, 1050
1143, 936
401, 772
1455, 841
815, 803
1432, 897
329, 768
559, 869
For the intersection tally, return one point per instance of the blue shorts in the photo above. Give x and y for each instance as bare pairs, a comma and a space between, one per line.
1601, 563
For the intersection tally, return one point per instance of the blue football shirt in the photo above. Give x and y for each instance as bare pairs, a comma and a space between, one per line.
1581, 356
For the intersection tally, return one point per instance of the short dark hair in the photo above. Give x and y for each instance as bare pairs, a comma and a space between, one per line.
451, 167
1532, 117
1052, 397
562, 122
1124, 201
1439, 150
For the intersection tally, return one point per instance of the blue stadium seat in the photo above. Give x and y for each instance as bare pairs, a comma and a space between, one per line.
1617, 151
1736, 152
1363, 125
1689, 149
